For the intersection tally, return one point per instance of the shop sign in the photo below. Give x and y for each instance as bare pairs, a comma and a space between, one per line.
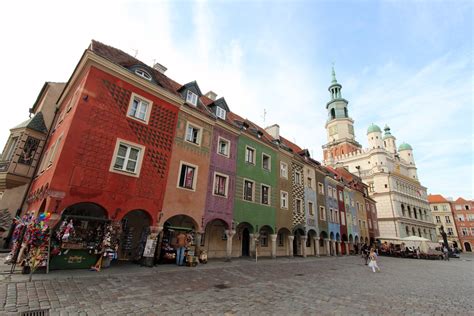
56, 194
151, 242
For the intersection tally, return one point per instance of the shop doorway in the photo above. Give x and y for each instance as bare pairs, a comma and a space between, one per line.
172, 228
135, 230
245, 242
214, 240
297, 247
467, 246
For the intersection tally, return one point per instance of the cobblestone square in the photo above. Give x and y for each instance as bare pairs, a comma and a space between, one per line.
317, 286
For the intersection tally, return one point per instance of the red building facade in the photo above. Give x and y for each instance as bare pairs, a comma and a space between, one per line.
112, 140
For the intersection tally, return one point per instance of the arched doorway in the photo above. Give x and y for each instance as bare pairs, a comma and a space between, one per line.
86, 209
297, 246
345, 245
214, 240
264, 241
322, 240
135, 230
467, 246
310, 244
243, 239
282, 242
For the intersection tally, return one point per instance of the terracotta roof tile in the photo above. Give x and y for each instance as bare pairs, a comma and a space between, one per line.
436, 198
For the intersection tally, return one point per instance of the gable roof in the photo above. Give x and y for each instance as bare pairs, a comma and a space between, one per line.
460, 200
436, 198
35, 123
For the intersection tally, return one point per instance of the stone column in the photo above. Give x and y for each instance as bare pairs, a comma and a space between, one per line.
228, 250
328, 247
348, 247
198, 243
252, 245
339, 248
333, 245
316, 246
303, 240
273, 237
290, 241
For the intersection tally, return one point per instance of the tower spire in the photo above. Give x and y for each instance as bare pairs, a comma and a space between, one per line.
333, 75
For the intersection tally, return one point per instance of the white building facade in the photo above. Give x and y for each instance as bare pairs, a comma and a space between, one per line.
390, 172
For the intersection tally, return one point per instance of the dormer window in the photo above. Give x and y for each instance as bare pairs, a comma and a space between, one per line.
220, 112
142, 73
191, 98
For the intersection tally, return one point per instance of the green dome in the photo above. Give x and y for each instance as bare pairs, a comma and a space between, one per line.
404, 146
373, 128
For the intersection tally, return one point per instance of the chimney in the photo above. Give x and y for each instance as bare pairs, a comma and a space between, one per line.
274, 131
211, 95
160, 68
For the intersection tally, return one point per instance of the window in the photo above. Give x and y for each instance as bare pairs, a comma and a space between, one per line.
284, 199
371, 187
266, 162
193, 134
360, 223
470, 217
127, 157
248, 190
466, 207
336, 216
139, 108
365, 224
264, 239
142, 73
60, 118
220, 112
329, 191
53, 151
334, 193
472, 231
448, 219
322, 213
220, 184
265, 197
445, 208
464, 231
187, 177
283, 170
341, 197
298, 205
310, 183
343, 218
320, 188
435, 208
223, 147
461, 217
370, 223
297, 177
438, 219
331, 215
10, 149
281, 240
191, 98
73, 100
249, 155
450, 231
458, 207
311, 208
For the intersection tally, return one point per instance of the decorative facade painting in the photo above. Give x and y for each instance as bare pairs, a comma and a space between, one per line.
29, 150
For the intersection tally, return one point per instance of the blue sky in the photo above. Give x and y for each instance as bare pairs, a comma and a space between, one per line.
407, 64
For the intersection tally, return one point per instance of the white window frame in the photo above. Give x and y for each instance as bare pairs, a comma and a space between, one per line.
254, 155
343, 218
438, 219
269, 194
300, 204
223, 140
460, 217
264, 155
199, 133
221, 113
141, 154
253, 190
310, 208
341, 196
284, 197
191, 97
226, 189
298, 176
283, 170
10, 148
322, 213
73, 100
52, 152
141, 100
464, 231
320, 188
196, 170
143, 73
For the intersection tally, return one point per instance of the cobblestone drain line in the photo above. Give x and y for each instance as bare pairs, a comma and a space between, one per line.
325, 287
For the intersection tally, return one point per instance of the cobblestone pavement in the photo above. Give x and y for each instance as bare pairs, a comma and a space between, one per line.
317, 286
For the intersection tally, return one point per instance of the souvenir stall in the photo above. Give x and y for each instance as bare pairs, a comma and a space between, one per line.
168, 245
31, 239
84, 239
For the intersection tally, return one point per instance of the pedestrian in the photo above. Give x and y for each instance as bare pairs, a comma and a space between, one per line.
365, 253
446, 253
180, 248
373, 261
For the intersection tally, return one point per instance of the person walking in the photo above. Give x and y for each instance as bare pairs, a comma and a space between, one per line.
373, 261
181, 240
365, 252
